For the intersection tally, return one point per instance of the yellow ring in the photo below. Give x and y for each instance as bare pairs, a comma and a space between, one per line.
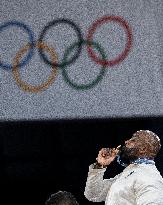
25, 86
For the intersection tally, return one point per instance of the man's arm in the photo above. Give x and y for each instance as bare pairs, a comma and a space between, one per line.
97, 188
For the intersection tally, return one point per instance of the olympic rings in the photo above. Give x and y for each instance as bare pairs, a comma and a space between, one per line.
23, 85
98, 78
121, 56
79, 35
31, 40
54, 60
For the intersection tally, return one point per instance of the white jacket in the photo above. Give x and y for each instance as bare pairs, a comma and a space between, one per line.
138, 184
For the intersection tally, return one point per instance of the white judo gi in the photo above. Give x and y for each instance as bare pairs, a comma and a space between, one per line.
138, 184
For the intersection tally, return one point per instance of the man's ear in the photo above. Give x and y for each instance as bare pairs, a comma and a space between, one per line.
143, 150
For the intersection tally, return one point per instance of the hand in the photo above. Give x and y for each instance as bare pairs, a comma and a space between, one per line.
106, 156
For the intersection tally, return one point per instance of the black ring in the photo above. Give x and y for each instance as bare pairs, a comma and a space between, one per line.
80, 39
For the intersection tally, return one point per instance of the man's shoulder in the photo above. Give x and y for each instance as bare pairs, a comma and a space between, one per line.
147, 173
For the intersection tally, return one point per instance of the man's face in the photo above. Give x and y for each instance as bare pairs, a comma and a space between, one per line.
131, 142
129, 150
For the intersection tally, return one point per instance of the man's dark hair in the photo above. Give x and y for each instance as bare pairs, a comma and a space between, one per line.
148, 142
61, 198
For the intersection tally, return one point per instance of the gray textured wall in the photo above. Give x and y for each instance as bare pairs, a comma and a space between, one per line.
130, 88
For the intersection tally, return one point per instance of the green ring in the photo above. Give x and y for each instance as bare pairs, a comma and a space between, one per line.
100, 75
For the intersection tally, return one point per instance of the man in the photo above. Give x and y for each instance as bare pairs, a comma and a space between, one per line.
140, 183
61, 198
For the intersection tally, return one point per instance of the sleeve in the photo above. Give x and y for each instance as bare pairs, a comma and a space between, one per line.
148, 190
97, 188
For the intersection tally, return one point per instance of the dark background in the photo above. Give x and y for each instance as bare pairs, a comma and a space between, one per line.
38, 158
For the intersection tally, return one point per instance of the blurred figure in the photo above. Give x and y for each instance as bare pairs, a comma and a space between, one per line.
61, 198
140, 183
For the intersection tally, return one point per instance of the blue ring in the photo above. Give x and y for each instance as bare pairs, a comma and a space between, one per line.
31, 40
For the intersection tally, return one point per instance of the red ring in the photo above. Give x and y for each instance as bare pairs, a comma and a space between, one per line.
124, 53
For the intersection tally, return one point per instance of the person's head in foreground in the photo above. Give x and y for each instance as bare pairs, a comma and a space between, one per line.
61, 198
143, 144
